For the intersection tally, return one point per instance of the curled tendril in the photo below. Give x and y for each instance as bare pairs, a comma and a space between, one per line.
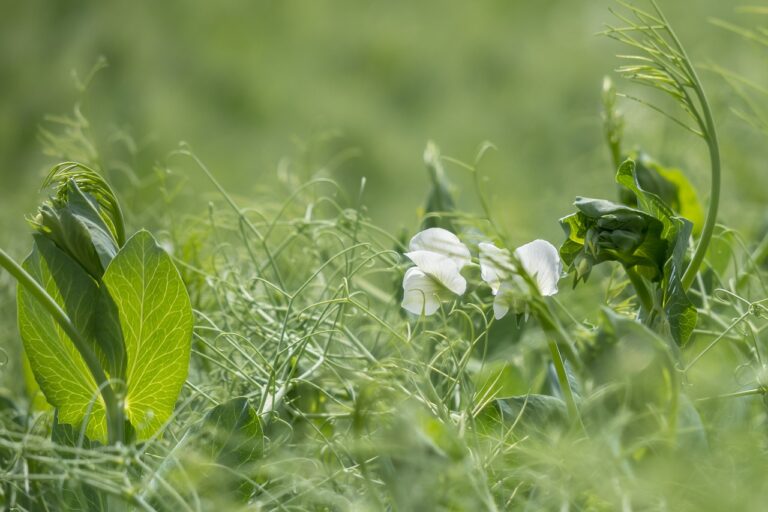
93, 183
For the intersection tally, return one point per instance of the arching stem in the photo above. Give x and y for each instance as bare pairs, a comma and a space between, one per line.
115, 421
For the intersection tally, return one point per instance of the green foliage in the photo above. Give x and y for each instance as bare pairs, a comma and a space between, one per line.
235, 433
651, 241
305, 387
58, 367
127, 302
535, 411
155, 319
604, 231
671, 185
102, 200
75, 225
231, 436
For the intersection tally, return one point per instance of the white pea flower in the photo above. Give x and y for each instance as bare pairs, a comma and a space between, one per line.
539, 259
439, 256
495, 265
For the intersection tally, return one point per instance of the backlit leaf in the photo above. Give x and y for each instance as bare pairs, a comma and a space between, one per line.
58, 367
78, 229
155, 316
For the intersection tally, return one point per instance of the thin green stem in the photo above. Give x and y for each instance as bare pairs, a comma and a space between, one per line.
554, 330
562, 379
714, 342
710, 135
737, 394
115, 421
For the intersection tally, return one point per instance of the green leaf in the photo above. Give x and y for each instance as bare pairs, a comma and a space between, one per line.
670, 185
79, 495
234, 434
604, 231
498, 379
155, 317
651, 240
681, 315
58, 367
77, 228
229, 436
96, 187
534, 410
647, 201
36, 397
720, 253
630, 355
691, 434
67, 435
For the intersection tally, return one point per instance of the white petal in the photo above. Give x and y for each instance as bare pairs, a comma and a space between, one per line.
421, 293
440, 268
495, 265
442, 242
503, 299
500, 308
542, 262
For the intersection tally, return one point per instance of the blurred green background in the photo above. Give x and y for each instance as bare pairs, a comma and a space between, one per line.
250, 83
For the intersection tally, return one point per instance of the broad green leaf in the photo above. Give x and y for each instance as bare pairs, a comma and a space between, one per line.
77, 228
687, 204
230, 436
68, 435
86, 210
691, 434
499, 379
630, 347
95, 187
534, 410
604, 231
670, 185
155, 317
629, 353
58, 367
680, 313
233, 432
647, 201
35, 394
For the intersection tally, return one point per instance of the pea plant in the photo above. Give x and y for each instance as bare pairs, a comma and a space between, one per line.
106, 322
333, 365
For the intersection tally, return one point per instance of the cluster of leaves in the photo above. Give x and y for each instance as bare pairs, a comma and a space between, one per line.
125, 298
650, 240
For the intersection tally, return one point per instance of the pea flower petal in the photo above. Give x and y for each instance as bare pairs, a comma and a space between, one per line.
421, 292
443, 242
503, 300
495, 265
440, 268
541, 261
